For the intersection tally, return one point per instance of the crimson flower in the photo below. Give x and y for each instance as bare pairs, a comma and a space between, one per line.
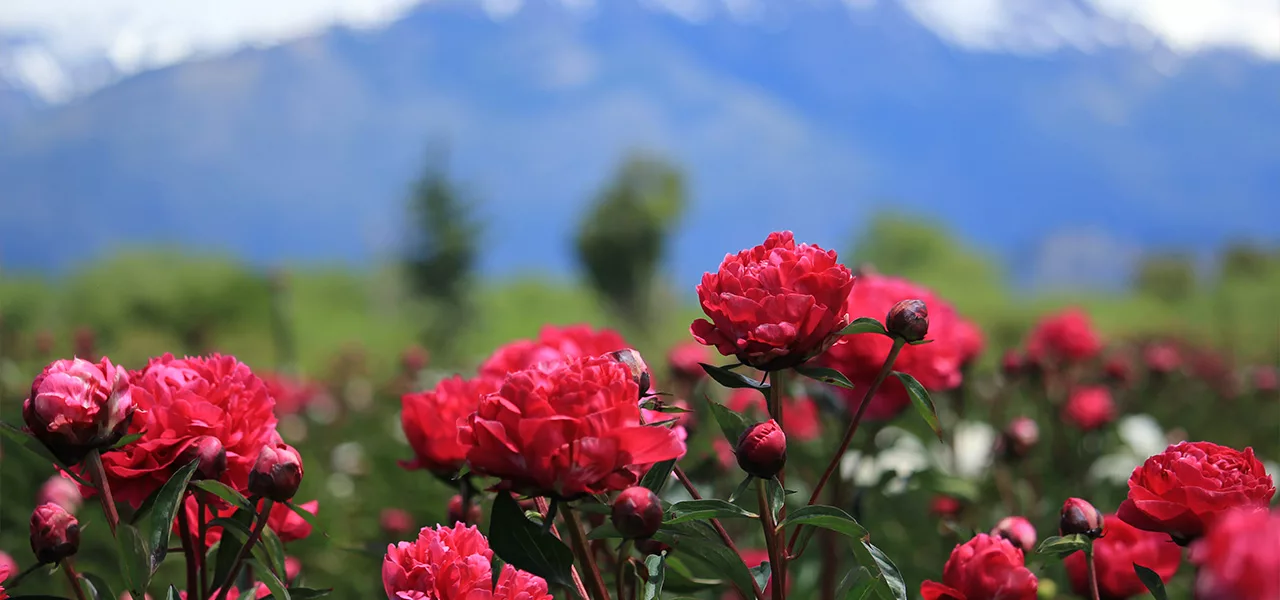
1239, 558
77, 406
1114, 554
430, 422
1067, 336
984, 568
553, 344
453, 563
1089, 408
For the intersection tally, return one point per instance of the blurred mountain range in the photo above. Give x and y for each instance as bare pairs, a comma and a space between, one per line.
1065, 165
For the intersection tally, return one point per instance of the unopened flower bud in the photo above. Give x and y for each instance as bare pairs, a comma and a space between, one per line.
639, 370
395, 521
1078, 516
55, 533
292, 568
1020, 436
637, 512
76, 406
277, 473
1117, 369
212, 456
414, 359
908, 319
762, 449
61, 491
455, 512
1012, 364
947, 507
1019, 531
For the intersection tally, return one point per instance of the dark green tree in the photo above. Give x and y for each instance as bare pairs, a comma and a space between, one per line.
1170, 278
622, 240
441, 257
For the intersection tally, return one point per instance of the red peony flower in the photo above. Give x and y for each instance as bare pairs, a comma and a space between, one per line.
685, 360
776, 305
1114, 554
1266, 379
1117, 369
453, 563
1162, 358
1019, 531
566, 429
1089, 408
395, 521
554, 344
947, 507
430, 421
935, 365
1182, 490
291, 394
984, 568
970, 340
1067, 336
60, 490
77, 406
179, 400
8, 568
799, 415
1239, 557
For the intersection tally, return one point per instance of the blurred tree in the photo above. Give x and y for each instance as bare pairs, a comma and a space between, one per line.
621, 241
1170, 278
1245, 261
442, 254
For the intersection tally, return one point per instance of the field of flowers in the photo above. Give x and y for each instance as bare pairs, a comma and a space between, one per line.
818, 433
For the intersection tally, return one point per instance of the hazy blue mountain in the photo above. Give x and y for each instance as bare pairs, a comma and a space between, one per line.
304, 151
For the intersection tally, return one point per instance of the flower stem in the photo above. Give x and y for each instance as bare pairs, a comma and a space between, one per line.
254, 536
98, 475
202, 525
545, 509
73, 578
853, 428
595, 583
1093, 574
465, 490
724, 535
771, 539
620, 573
188, 550
777, 391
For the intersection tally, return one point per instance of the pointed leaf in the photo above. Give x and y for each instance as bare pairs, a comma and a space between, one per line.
657, 575
525, 545
1064, 546
864, 325
733, 379
238, 524
135, 559
272, 551
920, 398
37, 449
126, 440
761, 573
101, 589
714, 554
731, 423
173, 594
223, 491
920, 342
305, 593
605, 531
694, 510
826, 517
888, 583
826, 375
742, 489
168, 503
306, 515
273, 583
657, 476
1152, 581
777, 495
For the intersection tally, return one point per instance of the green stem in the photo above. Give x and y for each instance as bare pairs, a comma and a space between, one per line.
715, 523
243, 553
594, 581
620, 573
771, 538
777, 394
188, 550
202, 526
1093, 575
548, 517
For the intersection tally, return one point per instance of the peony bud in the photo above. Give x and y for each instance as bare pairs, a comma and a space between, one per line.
212, 456
1019, 531
414, 359
946, 507
637, 512
1011, 364
395, 521
277, 473
1078, 516
908, 319
1020, 436
61, 491
292, 568
762, 449
455, 512
55, 534
639, 370
76, 406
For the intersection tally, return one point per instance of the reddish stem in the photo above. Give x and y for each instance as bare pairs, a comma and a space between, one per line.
545, 508
771, 539
777, 390
188, 550
594, 579
254, 536
1093, 575
73, 578
724, 535
98, 475
203, 528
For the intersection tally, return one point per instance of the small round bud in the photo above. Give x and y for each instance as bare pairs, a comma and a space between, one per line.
61, 491
1012, 364
292, 568
946, 507
212, 456
637, 512
455, 512
55, 534
908, 319
414, 359
395, 521
1020, 436
762, 449
76, 406
1078, 516
1019, 531
639, 370
277, 473
1117, 369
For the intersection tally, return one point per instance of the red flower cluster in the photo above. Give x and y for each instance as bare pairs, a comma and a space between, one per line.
453, 564
553, 344
566, 429
1064, 337
291, 394
984, 568
935, 365
181, 399
685, 361
1120, 547
1089, 408
1239, 558
1182, 490
776, 305
430, 422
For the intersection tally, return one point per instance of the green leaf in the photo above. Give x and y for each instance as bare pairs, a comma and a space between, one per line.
864, 325
135, 559
920, 398
920, 342
731, 423
126, 440
657, 575
1064, 546
761, 573
733, 379
742, 489
863, 585
662, 407
238, 524
167, 504
306, 515
525, 545
715, 555
305, 593
605, 531
37, 449
222, 490
273, 583
101, 589
693, 510
826, 375
173, 594
888, 583
1152, 581
777, 495
826, 517
657, 476
272, 551
680, 579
